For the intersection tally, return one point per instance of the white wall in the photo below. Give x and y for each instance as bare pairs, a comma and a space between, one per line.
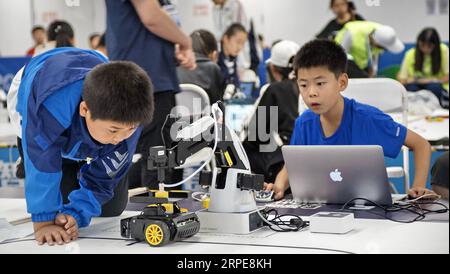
15, 27
408, 17
85, 16
17, 17
300, 20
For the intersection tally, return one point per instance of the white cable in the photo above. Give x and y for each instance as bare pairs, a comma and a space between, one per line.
436, 196
264, 218
268, 222
260, 215
216, 134
409, 202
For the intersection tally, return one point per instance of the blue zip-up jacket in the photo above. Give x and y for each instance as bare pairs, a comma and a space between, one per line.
52, 129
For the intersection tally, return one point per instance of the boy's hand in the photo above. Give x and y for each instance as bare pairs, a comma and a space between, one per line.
278, 190
268, 186
51, 234
417, 192
68, 223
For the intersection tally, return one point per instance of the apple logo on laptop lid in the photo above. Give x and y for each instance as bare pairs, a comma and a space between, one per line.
336, 176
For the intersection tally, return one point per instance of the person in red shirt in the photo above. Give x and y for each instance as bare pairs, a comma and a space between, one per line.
39, 36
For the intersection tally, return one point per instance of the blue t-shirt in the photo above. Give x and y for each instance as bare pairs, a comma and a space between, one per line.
129, 40
360, 125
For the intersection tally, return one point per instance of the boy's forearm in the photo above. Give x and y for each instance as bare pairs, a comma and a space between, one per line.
283, 178
168, 30
37, 226
422, 158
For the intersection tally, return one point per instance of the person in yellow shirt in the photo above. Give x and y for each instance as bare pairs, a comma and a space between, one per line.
365, 41
427, 65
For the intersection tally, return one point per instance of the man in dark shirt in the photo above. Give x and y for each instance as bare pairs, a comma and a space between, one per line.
345, 12
146, 32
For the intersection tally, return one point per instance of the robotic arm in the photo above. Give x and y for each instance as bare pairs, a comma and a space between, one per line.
231, 182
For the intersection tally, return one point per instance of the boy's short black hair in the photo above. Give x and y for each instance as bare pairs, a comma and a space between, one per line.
322, 53
234, 29
120, 92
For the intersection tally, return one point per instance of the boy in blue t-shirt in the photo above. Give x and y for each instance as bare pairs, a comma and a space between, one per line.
332, 119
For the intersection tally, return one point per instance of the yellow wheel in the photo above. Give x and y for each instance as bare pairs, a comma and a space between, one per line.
157, 234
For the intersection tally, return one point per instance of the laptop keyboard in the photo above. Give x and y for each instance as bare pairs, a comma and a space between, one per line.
294, 204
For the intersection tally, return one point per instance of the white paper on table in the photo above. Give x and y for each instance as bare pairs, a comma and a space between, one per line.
9, 232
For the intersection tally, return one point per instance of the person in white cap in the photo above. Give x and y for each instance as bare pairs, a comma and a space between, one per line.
264, 151
280, 63
365, 41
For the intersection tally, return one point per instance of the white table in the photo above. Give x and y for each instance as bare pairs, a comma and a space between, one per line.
431, 131
370, 236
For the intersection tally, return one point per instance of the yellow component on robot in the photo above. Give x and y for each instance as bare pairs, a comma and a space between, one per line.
168, 207
205, 203
154, 235
228, 158
184, 210
162, 194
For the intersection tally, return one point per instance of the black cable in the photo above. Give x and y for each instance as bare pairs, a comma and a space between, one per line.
16, 241
291, 225
162, 130
387, 210
275, 246
210, 243
105, 238
83, 238
413, 208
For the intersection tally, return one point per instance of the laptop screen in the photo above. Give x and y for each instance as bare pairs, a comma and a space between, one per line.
247, 88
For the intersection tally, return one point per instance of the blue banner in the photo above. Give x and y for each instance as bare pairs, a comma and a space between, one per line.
8, 69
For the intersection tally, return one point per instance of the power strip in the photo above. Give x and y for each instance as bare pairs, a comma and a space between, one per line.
332, 222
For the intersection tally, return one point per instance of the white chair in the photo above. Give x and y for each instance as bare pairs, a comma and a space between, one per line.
244, 132
302, 107
192, 101
391, 97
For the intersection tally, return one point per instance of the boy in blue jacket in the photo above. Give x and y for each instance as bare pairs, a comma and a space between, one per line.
75, 106
320, 67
